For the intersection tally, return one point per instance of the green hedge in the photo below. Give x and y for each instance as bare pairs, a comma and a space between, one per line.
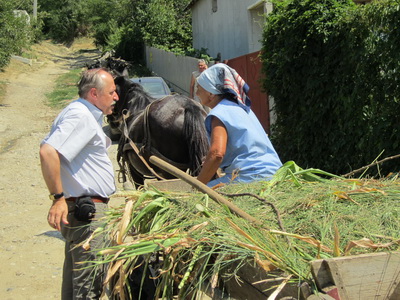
333, 68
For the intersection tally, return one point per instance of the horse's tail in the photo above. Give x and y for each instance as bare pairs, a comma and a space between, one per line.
196, 137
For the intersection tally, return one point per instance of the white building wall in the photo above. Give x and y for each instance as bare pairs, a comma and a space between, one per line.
224, 31
256, 21
234, 29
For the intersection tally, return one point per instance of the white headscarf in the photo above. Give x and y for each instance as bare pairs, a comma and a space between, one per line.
222, 79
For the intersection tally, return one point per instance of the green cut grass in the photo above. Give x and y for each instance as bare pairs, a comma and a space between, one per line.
65, 89
301, 220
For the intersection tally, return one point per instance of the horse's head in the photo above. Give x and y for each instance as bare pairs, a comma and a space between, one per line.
132, 98
122, 85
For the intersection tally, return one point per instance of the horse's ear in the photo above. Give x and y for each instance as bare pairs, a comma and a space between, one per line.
125, 72
122, 80
119, 80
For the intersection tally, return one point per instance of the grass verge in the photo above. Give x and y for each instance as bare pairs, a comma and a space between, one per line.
2, 88
65, 89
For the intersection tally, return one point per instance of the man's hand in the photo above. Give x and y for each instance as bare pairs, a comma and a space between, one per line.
58, 213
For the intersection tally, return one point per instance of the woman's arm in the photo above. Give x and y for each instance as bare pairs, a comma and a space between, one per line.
216, 153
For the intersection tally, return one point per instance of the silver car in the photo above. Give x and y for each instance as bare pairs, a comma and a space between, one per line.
156, 87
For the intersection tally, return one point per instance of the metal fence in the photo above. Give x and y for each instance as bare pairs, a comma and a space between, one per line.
176, 70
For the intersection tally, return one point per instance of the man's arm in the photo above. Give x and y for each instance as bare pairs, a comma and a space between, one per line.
50, 163
192, 86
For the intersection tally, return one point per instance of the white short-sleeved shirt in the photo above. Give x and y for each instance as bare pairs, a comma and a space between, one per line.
195, 74
77, 135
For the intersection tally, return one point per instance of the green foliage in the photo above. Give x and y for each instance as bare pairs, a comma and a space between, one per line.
167, 25
125, 26
115, 25
15, 32
65, 89
332, 68
64, 20
201, 54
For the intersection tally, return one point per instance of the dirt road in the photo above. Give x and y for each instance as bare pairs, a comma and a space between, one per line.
31, 252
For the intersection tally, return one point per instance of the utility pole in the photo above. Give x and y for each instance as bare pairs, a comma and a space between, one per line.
35, 9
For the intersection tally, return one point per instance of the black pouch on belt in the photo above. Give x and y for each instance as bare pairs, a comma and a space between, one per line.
84, 209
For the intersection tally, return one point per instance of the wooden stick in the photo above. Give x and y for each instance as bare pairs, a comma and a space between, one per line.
202, 187
371, 165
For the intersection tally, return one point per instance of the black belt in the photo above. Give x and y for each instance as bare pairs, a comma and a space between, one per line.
94, 199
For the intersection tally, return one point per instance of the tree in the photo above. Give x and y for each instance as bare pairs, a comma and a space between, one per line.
64, 20
126, 25
168, 25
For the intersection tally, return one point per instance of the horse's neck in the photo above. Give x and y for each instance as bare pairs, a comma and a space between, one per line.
139, 106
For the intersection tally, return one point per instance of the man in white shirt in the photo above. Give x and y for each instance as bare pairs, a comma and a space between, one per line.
202, 65
80, 178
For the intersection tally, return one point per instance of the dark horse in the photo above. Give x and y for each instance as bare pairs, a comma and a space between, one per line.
171, 128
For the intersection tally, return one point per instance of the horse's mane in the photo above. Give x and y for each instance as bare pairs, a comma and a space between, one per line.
138, 99
132, 96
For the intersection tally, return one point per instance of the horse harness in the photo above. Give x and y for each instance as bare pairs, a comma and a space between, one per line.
146, 147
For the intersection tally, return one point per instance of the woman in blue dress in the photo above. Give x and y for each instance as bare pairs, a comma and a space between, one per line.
238, 142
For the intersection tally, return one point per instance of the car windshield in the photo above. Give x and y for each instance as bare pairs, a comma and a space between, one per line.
154, 88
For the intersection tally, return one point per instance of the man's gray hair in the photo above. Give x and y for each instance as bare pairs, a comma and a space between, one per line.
201, 61
91, 79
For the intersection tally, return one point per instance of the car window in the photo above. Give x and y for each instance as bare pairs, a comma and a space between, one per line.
154, 88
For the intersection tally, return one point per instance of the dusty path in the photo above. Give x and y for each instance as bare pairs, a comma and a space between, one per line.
31, 253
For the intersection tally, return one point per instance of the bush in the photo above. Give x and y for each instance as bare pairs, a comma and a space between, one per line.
332, 68
14, 32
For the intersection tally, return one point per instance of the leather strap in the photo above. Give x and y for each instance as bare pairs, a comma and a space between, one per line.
135, 148
97, 199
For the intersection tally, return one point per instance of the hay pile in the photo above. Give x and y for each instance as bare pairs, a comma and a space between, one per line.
191, 242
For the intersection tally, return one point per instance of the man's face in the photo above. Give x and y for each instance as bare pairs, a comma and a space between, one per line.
202, 67
106, 98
